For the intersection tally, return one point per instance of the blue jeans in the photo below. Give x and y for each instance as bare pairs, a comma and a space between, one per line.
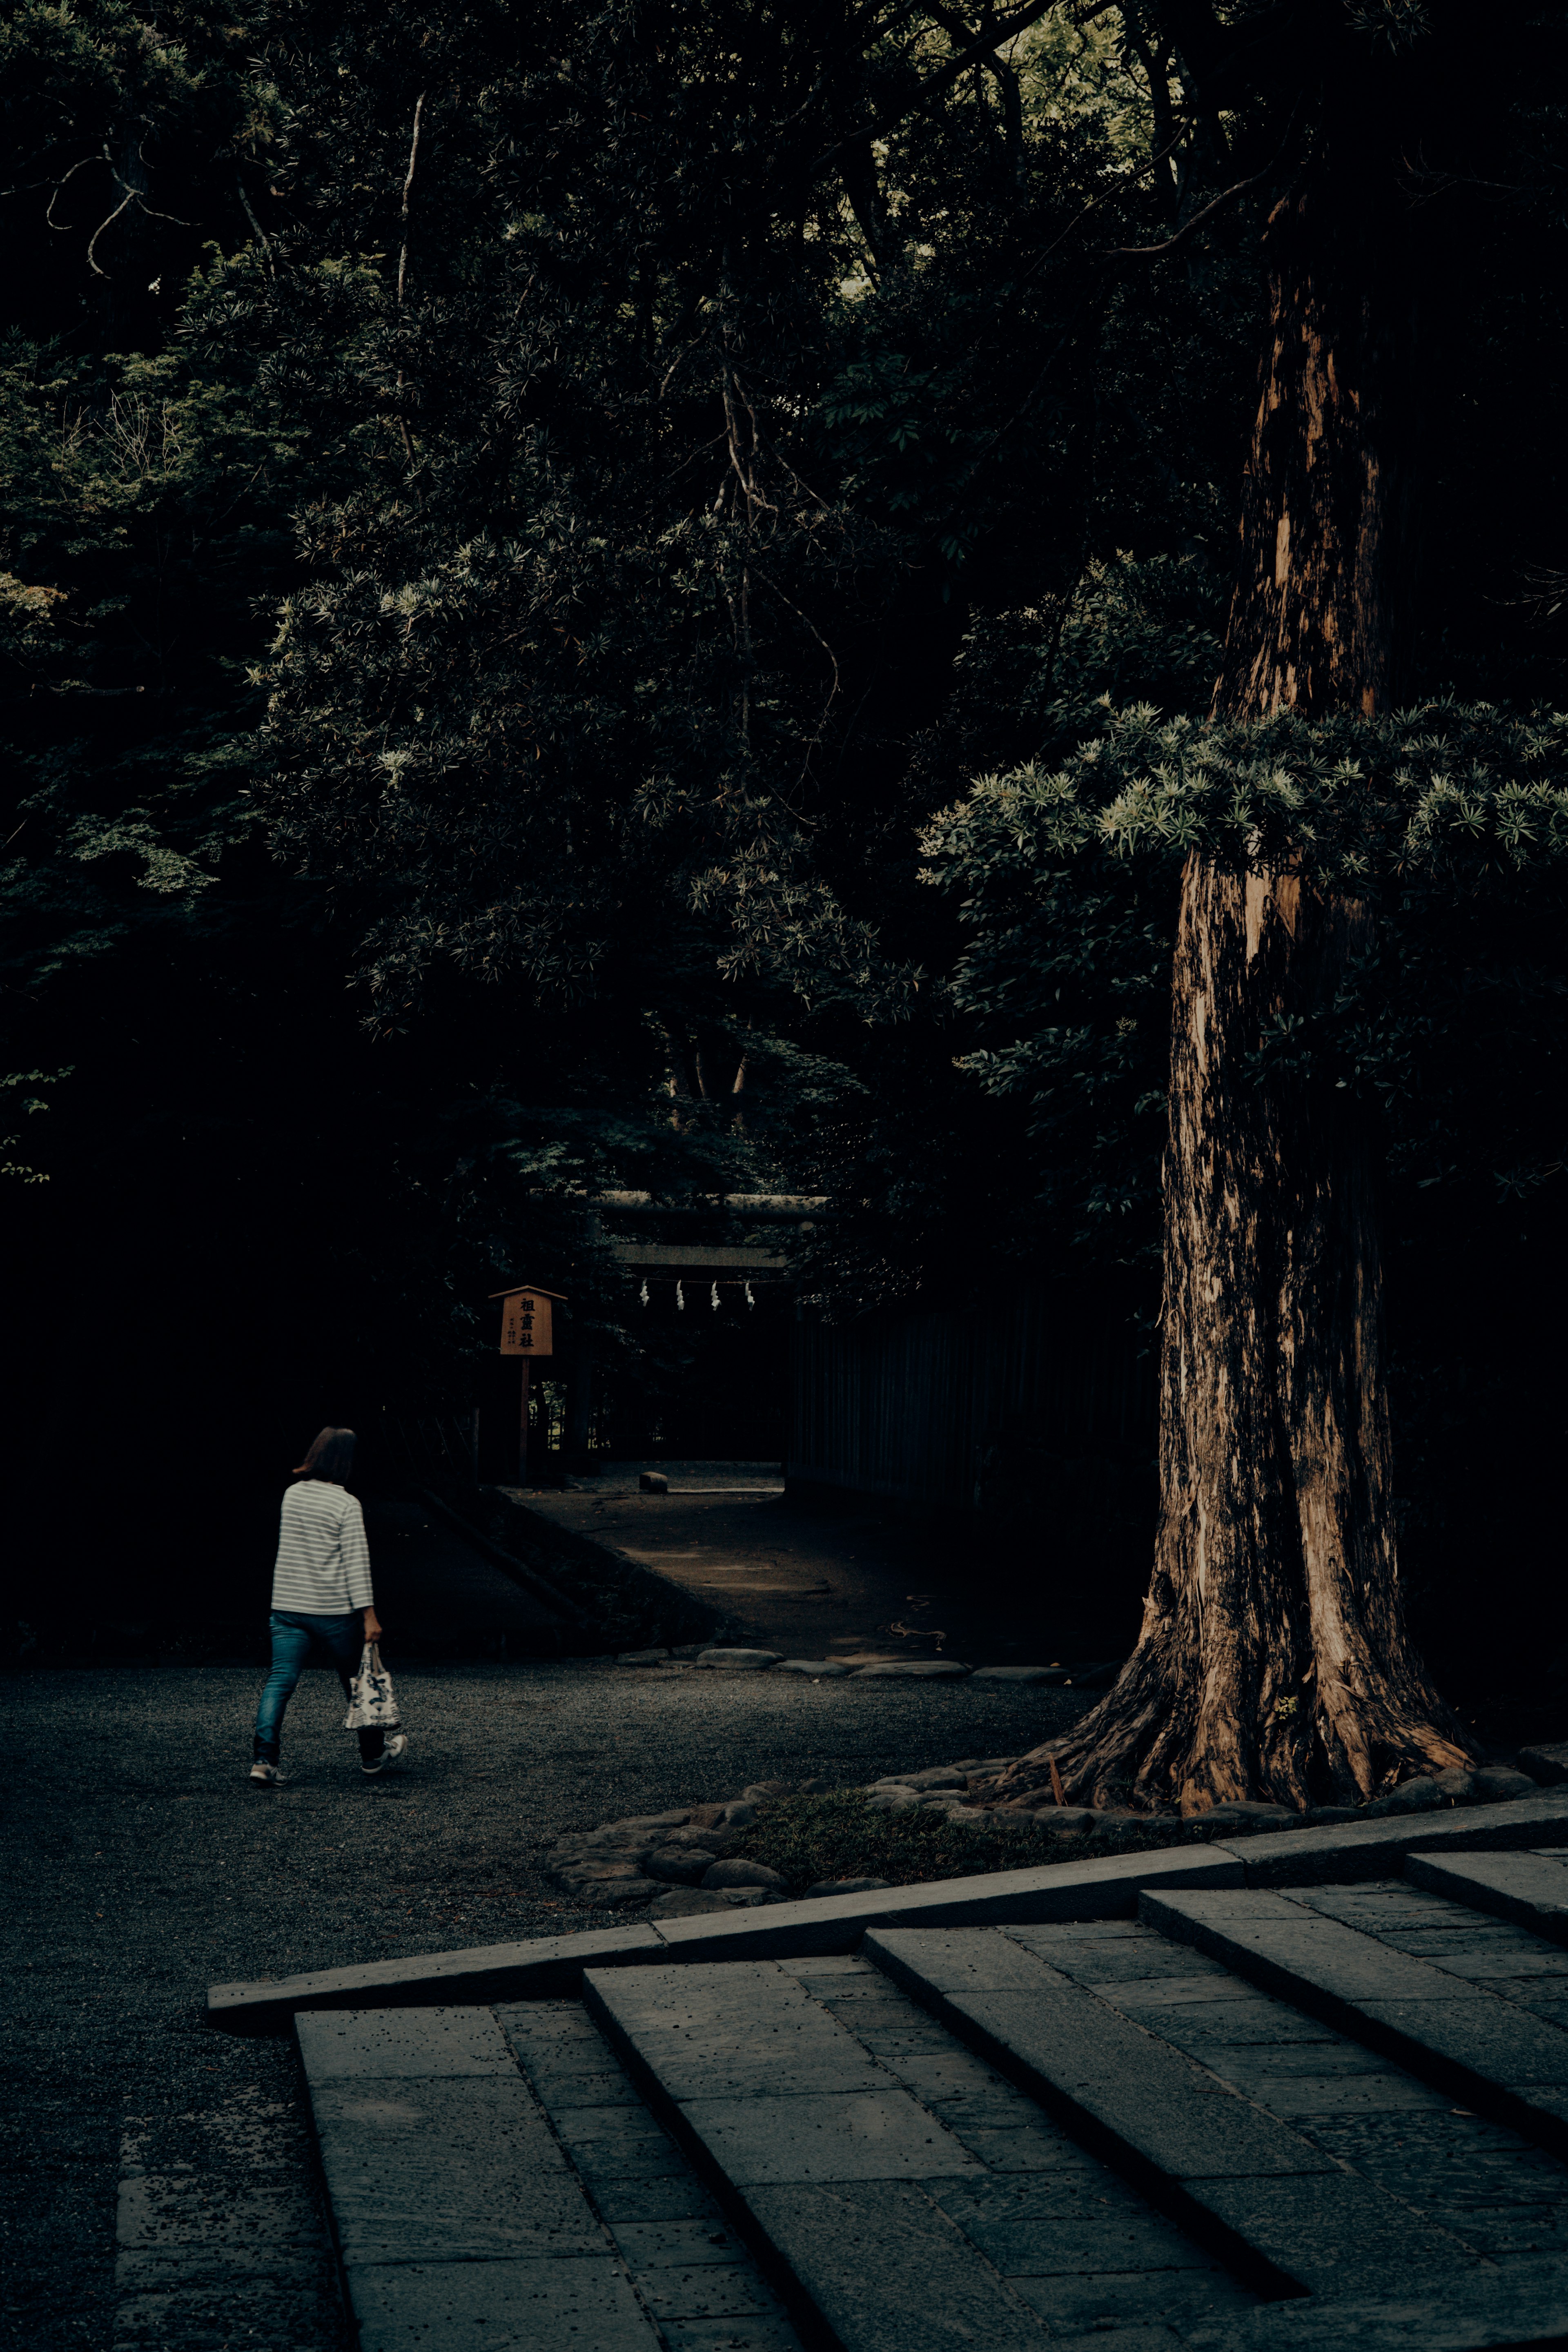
294, 1637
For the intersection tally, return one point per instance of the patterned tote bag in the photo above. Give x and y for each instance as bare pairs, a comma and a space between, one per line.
372, 1706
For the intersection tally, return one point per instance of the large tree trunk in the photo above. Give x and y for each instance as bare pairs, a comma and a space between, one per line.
1274, 1660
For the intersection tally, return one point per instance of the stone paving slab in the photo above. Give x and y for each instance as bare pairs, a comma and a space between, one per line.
417, 2306
844, 2192
1481, 2182
1085, 2062
264, 2311
393, 2042
1338, 2233
1530, 1889
1468, 2039
691, 2270
1353, 1850
879, 2133
887, 2271
454, 2171
538, 2206
1523, 2306
1250, 2176
173, 2214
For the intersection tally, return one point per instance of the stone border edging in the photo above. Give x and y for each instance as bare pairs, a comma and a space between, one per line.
551, 1967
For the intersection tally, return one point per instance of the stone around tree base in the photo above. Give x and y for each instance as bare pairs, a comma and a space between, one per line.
1548, 1765
739, 1661
1495, 1784
726, 1875
1021, 1675
684, 1901
1241, 1812
684, 1866
819, 1669
925, 1670
1068, 1820
1421, 1795
844, 1887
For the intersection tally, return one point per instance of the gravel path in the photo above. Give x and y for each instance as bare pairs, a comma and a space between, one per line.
140, 1866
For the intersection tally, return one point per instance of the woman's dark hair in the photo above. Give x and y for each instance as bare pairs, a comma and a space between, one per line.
331, 1456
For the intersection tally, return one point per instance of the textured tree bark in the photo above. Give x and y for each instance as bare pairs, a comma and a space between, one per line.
1274, 1661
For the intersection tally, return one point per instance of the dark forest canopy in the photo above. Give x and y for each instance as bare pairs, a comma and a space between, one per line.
517, 522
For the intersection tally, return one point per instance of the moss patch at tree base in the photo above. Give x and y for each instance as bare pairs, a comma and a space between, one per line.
808, 1840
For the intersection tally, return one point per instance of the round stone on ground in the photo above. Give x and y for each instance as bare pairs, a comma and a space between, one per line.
619, 1896
680, 1866
1020, 1673
1418, 1796
924, 1670
597, 1874
819, 1669
680, 1902
738, 1873
1067, 1821
844, 1887
739, 1661
1495, 1783
1239, 1813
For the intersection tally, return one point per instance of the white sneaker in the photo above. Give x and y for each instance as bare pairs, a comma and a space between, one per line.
267, 1776
390, 1757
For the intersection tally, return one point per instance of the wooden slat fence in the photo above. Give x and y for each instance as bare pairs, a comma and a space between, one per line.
907, 1406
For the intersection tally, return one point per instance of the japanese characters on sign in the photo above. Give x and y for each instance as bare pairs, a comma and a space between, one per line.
525, 1324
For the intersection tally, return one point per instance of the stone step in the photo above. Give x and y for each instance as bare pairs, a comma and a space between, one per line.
494, 2180
1465, 2002
1000, 2136
905, 2198
1530, 1889
1201, 2094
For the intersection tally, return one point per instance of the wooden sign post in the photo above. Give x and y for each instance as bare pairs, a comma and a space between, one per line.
527, 1330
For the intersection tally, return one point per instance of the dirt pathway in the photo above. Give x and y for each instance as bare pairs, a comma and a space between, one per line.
850, 1584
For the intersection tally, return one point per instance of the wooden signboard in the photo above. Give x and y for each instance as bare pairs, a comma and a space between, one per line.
525, 1324
526, 1318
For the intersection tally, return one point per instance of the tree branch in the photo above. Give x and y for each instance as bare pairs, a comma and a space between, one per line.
1148, 252
407, 185
1001, 31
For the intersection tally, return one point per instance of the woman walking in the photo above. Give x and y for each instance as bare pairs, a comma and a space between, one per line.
321, 1600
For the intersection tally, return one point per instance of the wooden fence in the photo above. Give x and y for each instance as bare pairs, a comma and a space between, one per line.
917, 1405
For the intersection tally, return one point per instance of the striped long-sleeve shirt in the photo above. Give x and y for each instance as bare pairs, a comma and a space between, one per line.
323, 1560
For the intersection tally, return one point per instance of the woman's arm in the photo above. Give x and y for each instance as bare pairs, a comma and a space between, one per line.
372, 1625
